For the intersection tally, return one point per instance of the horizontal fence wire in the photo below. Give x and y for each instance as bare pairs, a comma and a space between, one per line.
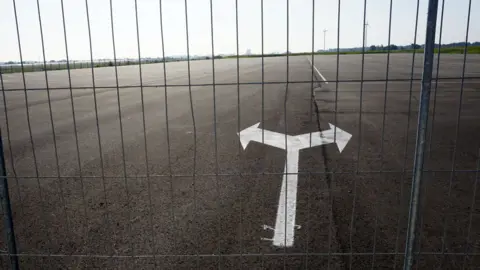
80, 205
248, 174
279, 254
408, 80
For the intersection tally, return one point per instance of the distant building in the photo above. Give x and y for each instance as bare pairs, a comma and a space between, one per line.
249, 52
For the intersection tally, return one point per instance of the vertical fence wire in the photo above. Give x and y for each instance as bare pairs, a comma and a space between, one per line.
7, 212
352, 220
9, 142
285, 132
97, 122
407, 137
238, 124
52, 126
75, 128
472, 210
421, 133
120, 123
194, 134
457, 132
29, 128
167, 127
337, 71
432, 132
263, 103
214, 92
382, 140
145, 145
312, 100
74, 118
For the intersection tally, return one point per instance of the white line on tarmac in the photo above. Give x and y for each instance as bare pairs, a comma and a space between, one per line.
287, 205
320, 74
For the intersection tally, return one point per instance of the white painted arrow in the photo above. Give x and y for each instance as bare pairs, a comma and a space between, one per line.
285, 222
254, 133
275, 139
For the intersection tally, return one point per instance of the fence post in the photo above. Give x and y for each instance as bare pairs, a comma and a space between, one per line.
421, 133
7, 211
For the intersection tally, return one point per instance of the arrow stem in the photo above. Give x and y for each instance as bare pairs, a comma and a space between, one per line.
287, 204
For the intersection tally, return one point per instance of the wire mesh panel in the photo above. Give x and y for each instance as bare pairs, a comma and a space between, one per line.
253, 134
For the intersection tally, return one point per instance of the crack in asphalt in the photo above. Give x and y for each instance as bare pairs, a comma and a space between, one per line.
328, 179
329, 185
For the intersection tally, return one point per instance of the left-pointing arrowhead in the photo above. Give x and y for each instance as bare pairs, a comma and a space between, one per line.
341, 138
247, 134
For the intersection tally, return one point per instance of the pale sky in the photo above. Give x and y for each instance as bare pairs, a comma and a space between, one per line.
249, 20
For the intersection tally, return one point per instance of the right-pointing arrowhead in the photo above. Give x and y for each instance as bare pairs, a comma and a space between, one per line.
246, 134
341, 138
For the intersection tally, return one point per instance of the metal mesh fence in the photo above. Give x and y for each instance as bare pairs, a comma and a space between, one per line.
143, 162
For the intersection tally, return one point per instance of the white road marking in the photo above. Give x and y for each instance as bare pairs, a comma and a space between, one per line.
266, 227
284, 230
287, 203
320, 74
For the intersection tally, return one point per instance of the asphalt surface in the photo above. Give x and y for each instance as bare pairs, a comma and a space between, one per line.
128, 182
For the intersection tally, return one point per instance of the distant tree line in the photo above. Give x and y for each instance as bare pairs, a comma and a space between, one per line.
395, 47
414, 46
